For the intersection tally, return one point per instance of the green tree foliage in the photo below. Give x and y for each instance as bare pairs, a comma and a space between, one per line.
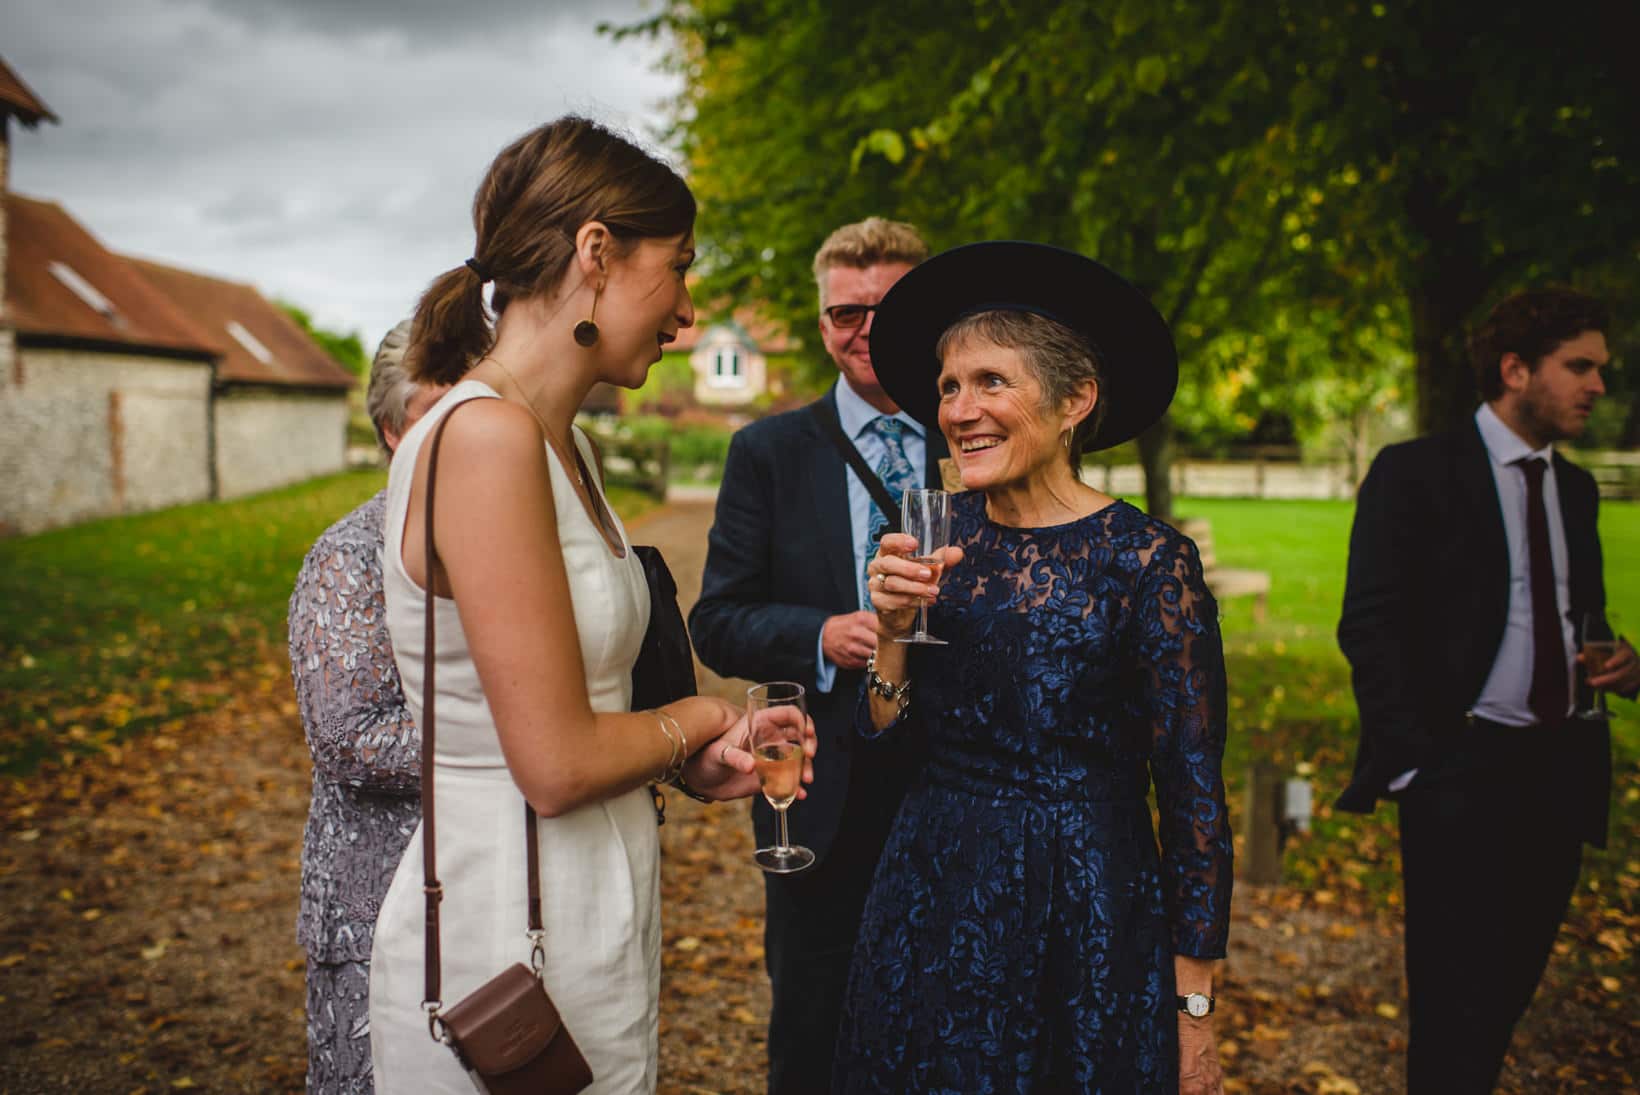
347, 350
1498, 146
1324, 178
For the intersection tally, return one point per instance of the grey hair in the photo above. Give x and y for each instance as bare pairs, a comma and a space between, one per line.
387, 399
1060, 359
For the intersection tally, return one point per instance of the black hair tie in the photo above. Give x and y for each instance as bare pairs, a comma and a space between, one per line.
483, 274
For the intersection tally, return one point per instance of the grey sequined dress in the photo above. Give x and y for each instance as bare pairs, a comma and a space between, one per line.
366, 783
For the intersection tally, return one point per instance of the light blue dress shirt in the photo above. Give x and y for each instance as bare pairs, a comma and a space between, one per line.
856, 414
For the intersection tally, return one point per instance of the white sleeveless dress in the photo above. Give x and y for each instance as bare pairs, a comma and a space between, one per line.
600, 873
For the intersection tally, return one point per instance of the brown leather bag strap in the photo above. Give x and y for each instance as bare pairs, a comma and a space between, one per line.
431, 887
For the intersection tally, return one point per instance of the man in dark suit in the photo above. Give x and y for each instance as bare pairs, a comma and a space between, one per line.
783, 598
1472, 557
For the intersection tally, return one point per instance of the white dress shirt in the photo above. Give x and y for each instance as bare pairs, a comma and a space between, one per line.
1503, 698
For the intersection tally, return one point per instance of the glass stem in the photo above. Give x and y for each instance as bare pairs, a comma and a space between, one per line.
785, 842
922, 620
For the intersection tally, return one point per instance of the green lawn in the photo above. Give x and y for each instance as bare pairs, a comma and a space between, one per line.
119, 625
1289, 686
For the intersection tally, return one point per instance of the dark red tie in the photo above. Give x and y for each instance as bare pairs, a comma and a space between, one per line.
1548, 694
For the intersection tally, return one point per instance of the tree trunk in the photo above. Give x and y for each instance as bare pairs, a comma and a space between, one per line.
1446, 383
1360, 444
1156, 457
1447, 284
1631, 424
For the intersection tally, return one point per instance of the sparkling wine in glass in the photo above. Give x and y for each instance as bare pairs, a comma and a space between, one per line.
926, 515
778, 715
1596, 643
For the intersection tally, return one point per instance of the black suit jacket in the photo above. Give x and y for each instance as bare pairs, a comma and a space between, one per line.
1427, 597
779, 563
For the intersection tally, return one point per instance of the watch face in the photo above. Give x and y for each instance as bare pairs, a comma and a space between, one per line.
1196, 1004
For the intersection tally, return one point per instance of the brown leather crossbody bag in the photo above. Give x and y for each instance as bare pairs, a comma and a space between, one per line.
507, 1033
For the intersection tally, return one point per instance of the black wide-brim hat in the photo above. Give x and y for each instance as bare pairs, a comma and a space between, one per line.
1138, 364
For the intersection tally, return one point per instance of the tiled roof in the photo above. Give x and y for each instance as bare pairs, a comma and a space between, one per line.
40, 238
258, 342
17, 98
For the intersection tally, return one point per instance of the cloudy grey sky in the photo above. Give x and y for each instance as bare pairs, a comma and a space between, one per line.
324, 150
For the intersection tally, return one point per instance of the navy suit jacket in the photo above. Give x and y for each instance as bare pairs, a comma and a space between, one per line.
779, 563
1427, 599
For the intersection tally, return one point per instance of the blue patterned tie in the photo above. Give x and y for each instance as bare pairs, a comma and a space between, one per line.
897, 474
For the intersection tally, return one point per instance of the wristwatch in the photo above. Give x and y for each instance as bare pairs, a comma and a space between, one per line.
1197, 1005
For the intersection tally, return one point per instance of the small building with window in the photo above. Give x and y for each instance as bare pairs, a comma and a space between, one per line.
126, 385
729, 363
105, 401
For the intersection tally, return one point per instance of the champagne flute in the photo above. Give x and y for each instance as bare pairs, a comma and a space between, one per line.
778, 716
926, 515
1596, 643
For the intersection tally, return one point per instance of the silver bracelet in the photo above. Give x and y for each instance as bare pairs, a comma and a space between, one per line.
897, 694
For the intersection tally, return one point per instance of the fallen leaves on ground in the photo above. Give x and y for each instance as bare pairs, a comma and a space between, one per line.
186, 847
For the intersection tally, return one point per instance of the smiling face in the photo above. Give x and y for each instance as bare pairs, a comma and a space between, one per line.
1552, 402
850, 347
994, 420
644, 304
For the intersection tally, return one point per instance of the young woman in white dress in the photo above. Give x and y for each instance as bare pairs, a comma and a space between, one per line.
541, 609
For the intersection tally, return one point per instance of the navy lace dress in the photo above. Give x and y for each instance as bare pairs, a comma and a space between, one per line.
1021, 928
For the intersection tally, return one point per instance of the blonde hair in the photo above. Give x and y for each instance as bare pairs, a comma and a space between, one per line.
867, 243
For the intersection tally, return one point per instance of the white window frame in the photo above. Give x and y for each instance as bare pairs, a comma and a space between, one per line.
736, 376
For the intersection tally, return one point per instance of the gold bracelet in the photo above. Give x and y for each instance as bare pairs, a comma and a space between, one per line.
682, 755
666, 769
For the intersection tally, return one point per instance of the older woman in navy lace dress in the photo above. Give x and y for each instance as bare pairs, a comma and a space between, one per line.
366, 750
1024, 931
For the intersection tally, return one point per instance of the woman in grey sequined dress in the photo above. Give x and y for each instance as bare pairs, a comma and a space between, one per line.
366, 750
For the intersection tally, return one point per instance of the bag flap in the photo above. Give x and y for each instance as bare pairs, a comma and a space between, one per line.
504, 1022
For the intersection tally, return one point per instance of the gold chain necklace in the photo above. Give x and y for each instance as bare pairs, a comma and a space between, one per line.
572, 467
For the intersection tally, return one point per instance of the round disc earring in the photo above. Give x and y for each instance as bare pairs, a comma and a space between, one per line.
586, 331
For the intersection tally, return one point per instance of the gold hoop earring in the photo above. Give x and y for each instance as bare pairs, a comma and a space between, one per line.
586, 331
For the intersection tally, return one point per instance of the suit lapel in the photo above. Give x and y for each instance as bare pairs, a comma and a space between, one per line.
1477, 491
828, 477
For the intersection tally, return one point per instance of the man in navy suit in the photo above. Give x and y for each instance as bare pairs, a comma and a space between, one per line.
1472, 556
783, 598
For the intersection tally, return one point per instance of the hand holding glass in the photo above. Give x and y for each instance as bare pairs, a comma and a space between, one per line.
778, 717
1596, 643
926, 516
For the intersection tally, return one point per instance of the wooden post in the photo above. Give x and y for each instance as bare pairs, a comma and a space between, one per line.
1261, 856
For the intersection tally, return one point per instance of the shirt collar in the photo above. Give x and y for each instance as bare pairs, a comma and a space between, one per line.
856, 414
1503, 444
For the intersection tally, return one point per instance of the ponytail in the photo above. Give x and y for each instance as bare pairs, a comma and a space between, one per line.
451, 330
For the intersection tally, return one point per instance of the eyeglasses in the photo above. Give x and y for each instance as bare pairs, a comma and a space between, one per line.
849, 316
